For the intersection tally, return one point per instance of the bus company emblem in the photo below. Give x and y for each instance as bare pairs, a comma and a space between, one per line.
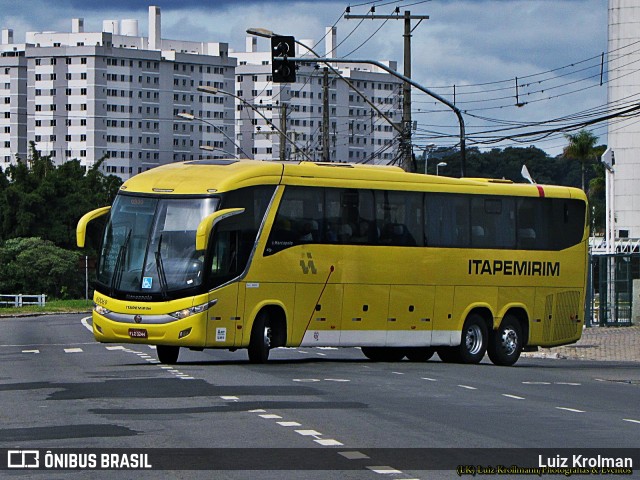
138, 318
308, 266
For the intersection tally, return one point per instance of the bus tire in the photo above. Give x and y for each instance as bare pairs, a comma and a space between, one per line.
383, 354
168, 354
260, 341
419, 354
505, 345
475, 338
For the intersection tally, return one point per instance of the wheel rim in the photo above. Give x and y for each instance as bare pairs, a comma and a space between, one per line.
509, 341
473, 339
267, 337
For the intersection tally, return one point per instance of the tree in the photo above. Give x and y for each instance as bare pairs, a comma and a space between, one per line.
33, 266
38, 199
582, 148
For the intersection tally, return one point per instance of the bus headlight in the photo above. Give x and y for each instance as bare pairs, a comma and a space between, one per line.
100, 309
187, 312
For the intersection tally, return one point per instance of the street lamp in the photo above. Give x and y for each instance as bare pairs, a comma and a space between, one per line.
215, 91
441, 164
427, 151
190, 117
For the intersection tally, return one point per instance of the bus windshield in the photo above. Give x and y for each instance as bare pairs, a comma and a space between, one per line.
149, 244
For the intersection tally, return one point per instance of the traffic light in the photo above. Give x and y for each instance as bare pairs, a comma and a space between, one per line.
283, 71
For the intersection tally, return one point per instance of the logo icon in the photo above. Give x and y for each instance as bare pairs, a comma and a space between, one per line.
147, 282
138, 318
23, 459
308, 266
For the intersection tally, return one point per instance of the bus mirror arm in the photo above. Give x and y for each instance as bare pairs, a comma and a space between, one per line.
81, 228
207, 224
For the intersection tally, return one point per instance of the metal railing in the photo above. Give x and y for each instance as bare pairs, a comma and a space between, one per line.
19, 300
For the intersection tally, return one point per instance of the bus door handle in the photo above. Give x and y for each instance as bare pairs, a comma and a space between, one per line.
393, 319
356, 319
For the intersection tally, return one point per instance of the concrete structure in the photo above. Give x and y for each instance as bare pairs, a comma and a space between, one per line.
87, 95
624, 138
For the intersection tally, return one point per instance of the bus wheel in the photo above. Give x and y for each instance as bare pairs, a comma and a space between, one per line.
260, 342
383, 354
475, 337
419, 354
506, 343
168, 354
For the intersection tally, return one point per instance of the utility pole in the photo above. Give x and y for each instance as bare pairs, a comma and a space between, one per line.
407, 154
325, 115
283, 130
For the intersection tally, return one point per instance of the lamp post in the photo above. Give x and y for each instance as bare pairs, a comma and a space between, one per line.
382, 66
427, 151
215, 91
441, 164
190, 117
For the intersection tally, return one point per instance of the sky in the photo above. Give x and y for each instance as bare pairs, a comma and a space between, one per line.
553, 47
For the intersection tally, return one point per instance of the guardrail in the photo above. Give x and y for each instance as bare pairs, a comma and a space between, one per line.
19, 300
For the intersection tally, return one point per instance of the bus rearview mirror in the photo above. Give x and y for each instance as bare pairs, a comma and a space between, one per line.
207, 224
81, 228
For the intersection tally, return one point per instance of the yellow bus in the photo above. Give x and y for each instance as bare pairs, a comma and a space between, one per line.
242, 254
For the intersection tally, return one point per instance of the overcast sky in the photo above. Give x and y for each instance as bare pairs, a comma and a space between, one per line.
463, 43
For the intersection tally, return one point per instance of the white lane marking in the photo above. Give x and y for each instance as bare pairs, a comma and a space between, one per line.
467, 387
353, 455
327, 348
311, 433
85, 323
31, 351
258, 410
321, 354
186, 378
567, 383
512, 396
229, 397
302, 351
269, 415
336, 380
72, 350
631, 420
575, 410
328, 442
289, 424
116, 347
306, 379
429, 379
384, 470
397, 373
537, 383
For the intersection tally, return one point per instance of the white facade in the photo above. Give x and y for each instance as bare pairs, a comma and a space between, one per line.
624, 84
87, 95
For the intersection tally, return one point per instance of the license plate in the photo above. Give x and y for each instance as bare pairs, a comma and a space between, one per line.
137, 333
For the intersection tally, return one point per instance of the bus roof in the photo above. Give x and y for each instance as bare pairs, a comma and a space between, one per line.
206, 177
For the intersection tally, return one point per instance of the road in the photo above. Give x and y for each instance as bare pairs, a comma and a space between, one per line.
61, 389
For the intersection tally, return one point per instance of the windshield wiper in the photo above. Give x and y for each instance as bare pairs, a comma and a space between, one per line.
160, 267
119, 266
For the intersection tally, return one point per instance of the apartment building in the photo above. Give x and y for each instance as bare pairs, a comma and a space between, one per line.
357, 131
116, 96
